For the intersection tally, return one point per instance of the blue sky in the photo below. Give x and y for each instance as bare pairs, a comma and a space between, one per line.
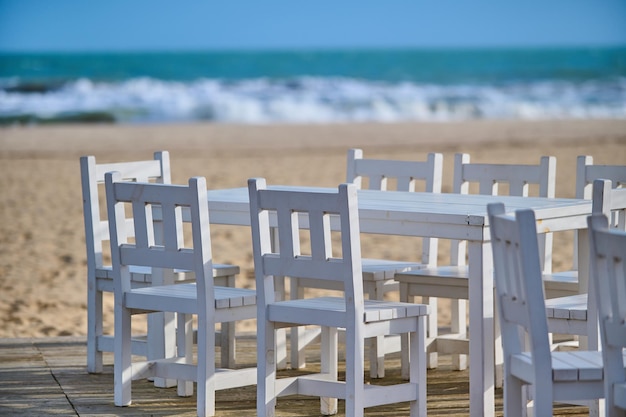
110, 25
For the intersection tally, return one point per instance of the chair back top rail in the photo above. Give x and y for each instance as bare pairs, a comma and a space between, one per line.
517, 176
406, 173
587, 173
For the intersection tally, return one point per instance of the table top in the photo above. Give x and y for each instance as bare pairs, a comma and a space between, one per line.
445, 215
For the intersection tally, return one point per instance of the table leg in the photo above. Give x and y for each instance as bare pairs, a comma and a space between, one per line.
590, 342
482, 402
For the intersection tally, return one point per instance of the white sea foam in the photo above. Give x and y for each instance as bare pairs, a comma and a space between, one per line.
320, 100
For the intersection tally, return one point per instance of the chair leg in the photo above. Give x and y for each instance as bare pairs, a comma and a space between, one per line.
514, 400
497, 350
184, 345
377, 344
227, 331
459, 326
227, 345
328, 406
94, 328
122, 371
543, 402
266, 369
281, 334
431, 333
432, 330
162, 341
354, 373
417, 360
206, 368
298, 359
404, 338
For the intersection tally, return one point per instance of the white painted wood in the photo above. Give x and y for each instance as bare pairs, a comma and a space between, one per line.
608, 260
378, 274
360, 318
210, 304
566, 282
451, 281
529, 361
99, 274
577, 314
445, 215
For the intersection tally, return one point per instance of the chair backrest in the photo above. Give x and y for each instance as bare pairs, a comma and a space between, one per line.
92, 177
608, 264
518, 178
139, 200
289, 212
519, 287
611, 202
406, 173
587, 173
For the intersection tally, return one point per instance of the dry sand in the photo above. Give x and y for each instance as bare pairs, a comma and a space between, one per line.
42, 252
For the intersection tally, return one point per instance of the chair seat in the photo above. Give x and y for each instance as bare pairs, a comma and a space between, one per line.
575, 365
566, 366
382, 269
144, 273
330, 311
560, 284
443, 281
183, 298
571, 308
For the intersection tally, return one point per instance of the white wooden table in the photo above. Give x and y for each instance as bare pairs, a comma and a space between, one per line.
451, 216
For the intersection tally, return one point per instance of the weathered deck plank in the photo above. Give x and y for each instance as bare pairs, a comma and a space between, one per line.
48, 377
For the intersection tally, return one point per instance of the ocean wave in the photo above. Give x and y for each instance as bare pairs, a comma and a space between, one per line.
308, 100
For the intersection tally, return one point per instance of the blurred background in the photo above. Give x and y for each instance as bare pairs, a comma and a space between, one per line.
280, 61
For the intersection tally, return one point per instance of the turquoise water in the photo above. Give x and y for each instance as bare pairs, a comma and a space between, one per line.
314, 86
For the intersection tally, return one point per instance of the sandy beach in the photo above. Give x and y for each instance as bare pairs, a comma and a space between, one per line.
42, 252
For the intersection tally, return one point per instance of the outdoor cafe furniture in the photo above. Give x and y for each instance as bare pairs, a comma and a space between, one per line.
210, 304
566, 282
562, 376
447, 216
451, 281
99, 273
289, 211
378, 274
608, 260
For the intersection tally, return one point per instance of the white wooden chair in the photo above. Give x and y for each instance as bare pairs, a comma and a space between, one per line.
290, 211
99, 272
451, 281
378, 274
608, 260
211, 304
564, 283
568, 376
577, 314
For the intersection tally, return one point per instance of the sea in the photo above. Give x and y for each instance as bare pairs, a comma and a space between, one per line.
313, 86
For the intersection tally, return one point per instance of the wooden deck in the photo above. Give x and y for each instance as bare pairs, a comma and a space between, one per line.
48, 377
